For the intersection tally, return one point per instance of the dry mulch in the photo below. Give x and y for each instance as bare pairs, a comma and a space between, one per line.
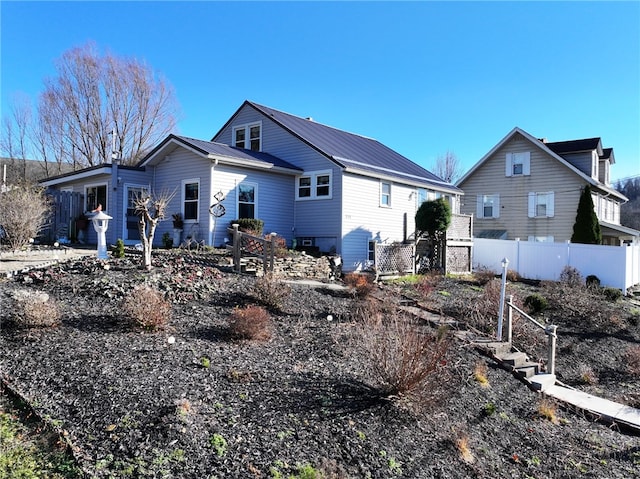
134, 405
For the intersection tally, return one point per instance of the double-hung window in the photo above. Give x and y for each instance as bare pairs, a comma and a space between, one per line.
518, 164
314, 185
190, 199
385, 194
541, 205
247, 200
488, 206
248, 136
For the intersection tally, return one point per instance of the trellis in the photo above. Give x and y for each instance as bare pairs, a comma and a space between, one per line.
394, 259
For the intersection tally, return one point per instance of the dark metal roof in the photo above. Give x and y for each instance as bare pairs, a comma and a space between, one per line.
350, 150
574, 146
213, 148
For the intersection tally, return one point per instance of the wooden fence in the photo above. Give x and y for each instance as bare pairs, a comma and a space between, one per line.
244, 244
66, 207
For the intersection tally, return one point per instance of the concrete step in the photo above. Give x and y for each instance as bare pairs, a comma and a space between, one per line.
513, 359
493, 347
542, 382
528, 370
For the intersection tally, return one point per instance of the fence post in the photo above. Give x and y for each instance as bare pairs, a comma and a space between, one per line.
551, 358
272, 250
505, 263
237, 241
510, 319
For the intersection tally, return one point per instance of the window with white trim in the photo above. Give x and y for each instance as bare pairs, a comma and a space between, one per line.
190, 199
385, 193
541, 239
518, 164
95, 195
248, 136
488, 206
314, 185
541, 205
247, 200
371, 252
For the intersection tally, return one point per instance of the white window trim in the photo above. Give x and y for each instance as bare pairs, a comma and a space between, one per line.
314, 185
523, 157
183, 199
247, 134
255, 197
533, 201
382, 205
480, 206
106, 195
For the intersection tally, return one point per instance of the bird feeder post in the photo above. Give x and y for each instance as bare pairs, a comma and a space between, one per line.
100, 223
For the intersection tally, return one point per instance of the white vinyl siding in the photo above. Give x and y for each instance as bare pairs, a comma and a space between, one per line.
518, 164
541, 205
488, 206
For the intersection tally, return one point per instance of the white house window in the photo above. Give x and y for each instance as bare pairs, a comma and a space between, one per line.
518, 164
95, 195
541, 205
247, 200
385, 193
314, 185
190, 199
488, 206
248, 137
371, 253
541, 239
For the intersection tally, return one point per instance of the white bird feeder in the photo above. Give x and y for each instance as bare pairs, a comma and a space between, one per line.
100, 224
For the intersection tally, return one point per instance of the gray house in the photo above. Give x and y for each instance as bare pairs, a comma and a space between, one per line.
315, 185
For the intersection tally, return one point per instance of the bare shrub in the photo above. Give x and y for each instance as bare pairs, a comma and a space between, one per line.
577, 304
484, 275
23, 213
147, 308
482, 312
513, 276
250, 322
360, 284
407, 361
632, 356
427, 283
571, 277
34, 309
271, 291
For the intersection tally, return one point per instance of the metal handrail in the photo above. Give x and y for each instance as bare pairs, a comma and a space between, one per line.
549, 330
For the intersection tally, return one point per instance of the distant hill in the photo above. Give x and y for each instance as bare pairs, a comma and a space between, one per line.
18, 171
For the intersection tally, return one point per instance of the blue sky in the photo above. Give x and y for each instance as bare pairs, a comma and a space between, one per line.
421, 77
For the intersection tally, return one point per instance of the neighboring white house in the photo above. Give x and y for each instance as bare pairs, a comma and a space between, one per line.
529, 188
315, 185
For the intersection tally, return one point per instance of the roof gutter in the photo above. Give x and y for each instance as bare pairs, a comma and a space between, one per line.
258, 165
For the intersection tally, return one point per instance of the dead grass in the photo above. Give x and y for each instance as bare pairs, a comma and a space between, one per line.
632, 356
480, 374
547, 408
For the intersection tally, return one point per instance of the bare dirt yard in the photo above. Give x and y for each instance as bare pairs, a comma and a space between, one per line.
310, 395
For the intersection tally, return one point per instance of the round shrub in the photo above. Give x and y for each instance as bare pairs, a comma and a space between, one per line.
593, 280
250, 322
147, 307
35, 309
536, 303
612, 294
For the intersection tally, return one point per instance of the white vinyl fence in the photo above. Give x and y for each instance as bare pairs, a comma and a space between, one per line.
615, 266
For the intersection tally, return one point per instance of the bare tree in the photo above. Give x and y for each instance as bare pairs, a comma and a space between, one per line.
448, 167
151, 209
14, 138
93, 96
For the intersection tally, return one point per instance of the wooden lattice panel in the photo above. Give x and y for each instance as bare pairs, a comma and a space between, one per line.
394, 258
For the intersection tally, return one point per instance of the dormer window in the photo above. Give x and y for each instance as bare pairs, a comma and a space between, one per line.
248, 136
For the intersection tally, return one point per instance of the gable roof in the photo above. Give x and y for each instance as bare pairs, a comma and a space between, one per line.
544, 147
352, 152
218, 151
